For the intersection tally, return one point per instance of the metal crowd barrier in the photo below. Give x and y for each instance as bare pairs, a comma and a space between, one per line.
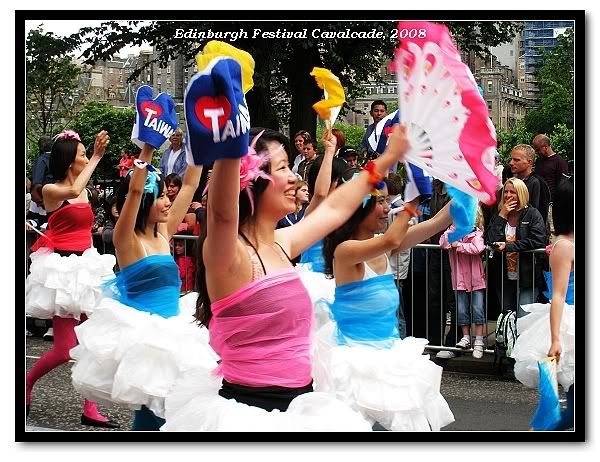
444, 325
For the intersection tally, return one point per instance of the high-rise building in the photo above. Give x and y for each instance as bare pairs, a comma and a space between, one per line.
537, 36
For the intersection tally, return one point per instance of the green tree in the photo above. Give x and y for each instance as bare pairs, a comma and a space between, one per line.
555, 82
353, 133
508, 139
561, 141
96, 116
51, 78
284, 91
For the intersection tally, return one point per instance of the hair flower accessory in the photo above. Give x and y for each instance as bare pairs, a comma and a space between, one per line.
152, 179
67, 135
251, 169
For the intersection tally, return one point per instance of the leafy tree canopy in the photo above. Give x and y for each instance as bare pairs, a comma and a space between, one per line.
96, 116
51, 78
555, 82
284, 91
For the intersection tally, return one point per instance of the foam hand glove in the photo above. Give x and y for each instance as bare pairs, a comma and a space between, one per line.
155, 118
218, 121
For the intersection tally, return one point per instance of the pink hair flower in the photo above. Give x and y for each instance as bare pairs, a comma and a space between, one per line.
67, 135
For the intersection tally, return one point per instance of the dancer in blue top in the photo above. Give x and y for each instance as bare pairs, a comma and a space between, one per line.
150, 350
536, 340
360, 356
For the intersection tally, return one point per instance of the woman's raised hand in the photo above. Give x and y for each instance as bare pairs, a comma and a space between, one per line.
507, 207
101, 142
329, 141
398, 143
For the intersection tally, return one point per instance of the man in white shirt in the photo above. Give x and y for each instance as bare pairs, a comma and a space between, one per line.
173, 159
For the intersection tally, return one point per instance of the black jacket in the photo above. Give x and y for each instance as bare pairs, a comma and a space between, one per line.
539, 194
531, 234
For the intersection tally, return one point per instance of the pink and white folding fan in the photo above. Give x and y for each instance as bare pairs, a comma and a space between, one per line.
450, 132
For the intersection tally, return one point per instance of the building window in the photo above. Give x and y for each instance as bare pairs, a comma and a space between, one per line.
168, 69
159, 71
110, 70
159, 81
168, 80
490, 85
512, 53
365, 106
490, 105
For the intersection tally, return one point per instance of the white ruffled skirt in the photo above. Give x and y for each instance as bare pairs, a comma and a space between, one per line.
132, 357
533, 343
66, 286
194, 405
320, 289
398, 387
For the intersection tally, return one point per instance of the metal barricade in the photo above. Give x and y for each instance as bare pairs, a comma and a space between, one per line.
437, 326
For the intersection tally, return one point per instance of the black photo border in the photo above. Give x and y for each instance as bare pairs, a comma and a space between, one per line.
582, 415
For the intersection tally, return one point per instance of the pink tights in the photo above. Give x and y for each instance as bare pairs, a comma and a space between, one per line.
64, 340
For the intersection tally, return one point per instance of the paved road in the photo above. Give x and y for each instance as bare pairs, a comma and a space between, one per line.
478, 402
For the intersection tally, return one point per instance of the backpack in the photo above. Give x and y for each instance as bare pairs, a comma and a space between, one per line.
506, 335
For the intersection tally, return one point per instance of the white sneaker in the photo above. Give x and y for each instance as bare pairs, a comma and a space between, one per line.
478, 350
464, 343
445, 354
49, 335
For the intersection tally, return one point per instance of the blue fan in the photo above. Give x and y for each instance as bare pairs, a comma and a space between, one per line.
547, 414
463, 210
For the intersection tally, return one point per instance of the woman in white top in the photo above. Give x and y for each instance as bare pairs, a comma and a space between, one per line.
361, 356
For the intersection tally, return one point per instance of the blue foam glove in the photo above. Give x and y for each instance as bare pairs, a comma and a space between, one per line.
218, 121
155, 118
463, 210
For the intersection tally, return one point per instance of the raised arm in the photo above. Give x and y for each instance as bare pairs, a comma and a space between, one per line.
219, 250
424, 230
54, 192
124, 231
560, 262
182, 202
342, 203
323, 182
354, 252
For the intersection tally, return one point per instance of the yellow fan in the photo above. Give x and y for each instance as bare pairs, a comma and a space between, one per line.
328, 108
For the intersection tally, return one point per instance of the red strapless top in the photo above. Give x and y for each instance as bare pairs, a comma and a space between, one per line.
69, 228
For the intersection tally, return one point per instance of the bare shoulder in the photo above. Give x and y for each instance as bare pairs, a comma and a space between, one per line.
284, 239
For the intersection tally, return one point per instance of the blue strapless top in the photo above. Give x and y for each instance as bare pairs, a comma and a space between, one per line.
314, 255
151, 284
570, 298
367, 312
